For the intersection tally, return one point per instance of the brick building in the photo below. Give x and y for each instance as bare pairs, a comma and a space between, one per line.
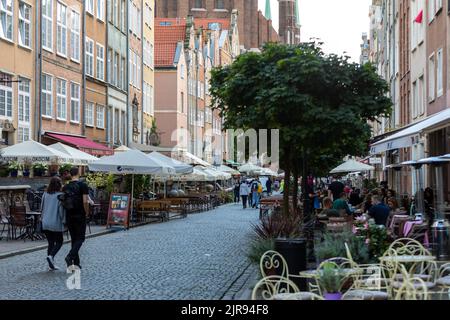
254, 29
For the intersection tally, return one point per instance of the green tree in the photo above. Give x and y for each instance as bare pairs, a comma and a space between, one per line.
320, 103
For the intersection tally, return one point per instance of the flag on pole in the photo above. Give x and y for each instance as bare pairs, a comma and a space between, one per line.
419, 17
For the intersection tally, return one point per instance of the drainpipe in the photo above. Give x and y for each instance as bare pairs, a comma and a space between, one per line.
196, 102
142, 71
83, 70
107, 75
127, 71
38, 78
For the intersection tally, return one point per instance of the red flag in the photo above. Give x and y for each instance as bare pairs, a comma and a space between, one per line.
419, 17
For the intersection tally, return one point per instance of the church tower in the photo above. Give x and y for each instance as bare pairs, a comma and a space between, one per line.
289, 28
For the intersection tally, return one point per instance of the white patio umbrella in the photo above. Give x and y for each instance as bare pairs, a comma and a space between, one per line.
268, 172
131, 162
196, 160
180, 167
122, 148
79, 157
249, 168
352, 166
226, 169
33, 152
197, 175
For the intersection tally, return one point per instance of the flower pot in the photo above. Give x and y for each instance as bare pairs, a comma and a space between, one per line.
38, 172
14, 173
26, 173
333, 296
294, 252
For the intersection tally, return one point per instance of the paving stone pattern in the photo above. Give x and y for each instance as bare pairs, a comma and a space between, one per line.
200, 257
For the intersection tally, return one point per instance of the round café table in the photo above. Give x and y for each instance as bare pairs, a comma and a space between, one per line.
412, 260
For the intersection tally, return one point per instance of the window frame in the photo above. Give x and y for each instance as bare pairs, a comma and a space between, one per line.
431, 78
8, 14
63, 27
75, 35
75, 100
90, 7
88, 105
439, 73
100, 107
48, 19
89, 58
9, 112
101, 60
24, 110
23, 21
45, 92
61, 96
100, 14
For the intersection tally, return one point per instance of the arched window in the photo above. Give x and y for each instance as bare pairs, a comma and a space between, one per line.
198, 4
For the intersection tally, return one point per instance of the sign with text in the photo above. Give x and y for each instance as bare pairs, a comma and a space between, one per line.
119, 208
375, 160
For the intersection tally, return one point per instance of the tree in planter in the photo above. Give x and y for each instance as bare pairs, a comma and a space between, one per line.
39, 169
14, 168
320, 103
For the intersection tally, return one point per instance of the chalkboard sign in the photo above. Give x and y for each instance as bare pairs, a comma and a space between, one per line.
119, 208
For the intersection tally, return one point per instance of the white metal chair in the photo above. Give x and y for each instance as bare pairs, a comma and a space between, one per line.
280, 288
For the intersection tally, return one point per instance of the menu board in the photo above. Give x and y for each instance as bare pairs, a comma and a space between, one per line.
119, 208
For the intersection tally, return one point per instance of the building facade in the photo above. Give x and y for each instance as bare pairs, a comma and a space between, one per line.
254, 28
117, 112
17, 71
289, 22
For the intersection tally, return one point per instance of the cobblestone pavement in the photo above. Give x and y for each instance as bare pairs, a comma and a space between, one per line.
200, 257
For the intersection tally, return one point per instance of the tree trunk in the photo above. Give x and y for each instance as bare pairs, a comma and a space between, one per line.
286, 190
295, 189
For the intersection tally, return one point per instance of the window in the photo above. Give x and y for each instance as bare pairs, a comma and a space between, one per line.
438, 5
150, 100
198, 4
47, 95
182, 71
61, 29
89, 114
431, 10
24, 24
431, 75
415, 96
123, 19
138, 19
123, 73
138, 72
89, 63
6, 19
5, 98
24, 100
61, 99
100, 62
219, 4
74, 102
115, 66
116, 126
109, 65
75, 37
421, 89
131, 67
47, 24
440, 74
150, 55
23, 134
182, 102
148, 15
90, 6
115, 12
101, 10
100, 117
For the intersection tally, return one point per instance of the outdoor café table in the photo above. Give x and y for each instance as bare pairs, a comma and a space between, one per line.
36, 216
412, 260
311, 274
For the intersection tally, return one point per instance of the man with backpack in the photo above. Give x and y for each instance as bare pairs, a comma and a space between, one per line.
76, 203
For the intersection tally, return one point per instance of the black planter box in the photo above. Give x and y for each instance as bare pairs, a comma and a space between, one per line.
294, 252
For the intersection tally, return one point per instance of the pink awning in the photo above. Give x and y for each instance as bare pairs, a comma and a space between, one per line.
83, 144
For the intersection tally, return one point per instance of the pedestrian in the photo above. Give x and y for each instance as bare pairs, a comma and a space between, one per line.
269, 186
76, 217
243, 191
341, 204
237, 186
254, 191
379, 211
335, 189
53, 219
260, 192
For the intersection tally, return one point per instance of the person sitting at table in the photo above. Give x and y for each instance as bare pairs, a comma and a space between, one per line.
53, 219
355, 198
341, 204
328, 209
379, 211
392, 204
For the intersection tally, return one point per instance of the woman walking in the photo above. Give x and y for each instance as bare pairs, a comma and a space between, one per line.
53, 219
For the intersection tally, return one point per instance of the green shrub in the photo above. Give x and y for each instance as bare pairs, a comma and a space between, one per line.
258, 247
333, 246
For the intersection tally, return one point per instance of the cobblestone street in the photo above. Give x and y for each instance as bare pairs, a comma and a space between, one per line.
200, 257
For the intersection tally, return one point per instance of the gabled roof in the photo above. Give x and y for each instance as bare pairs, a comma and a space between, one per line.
166, 42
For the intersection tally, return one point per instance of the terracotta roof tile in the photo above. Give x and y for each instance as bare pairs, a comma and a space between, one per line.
166, 40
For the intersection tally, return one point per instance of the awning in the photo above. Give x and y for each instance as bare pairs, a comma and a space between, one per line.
410, 135
192, 159
82, 143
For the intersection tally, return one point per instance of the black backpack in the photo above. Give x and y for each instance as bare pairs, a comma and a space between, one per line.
69, 198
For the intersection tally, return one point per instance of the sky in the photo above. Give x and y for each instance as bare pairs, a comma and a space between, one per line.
337, 23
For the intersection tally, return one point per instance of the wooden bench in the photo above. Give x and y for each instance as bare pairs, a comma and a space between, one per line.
153, 209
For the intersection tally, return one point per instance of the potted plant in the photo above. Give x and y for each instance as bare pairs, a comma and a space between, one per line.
39, 169
14, 168
331, 279
26, 169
